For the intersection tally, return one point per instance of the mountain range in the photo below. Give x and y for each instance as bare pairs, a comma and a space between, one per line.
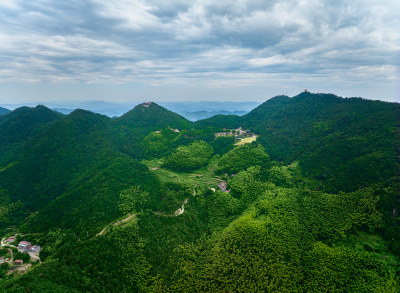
151, 201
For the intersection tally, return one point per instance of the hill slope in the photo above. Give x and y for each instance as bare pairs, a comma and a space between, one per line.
4, 111
152, 117
346, 143
23, 123
350, 142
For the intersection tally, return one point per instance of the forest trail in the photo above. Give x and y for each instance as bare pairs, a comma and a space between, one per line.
116, 224
181, 210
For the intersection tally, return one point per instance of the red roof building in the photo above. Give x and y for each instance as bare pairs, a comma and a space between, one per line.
10, 239
18, 262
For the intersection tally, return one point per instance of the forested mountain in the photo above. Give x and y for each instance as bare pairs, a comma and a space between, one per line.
23, 123
151, 202
151, 116
4, 111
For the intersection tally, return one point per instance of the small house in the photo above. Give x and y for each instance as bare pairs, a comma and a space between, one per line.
18, 262
2, 259
10, 239
34, 249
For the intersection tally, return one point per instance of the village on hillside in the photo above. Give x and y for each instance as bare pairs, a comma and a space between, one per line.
242, 136
18, 258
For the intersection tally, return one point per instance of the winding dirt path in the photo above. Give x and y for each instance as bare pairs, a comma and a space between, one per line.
182, 209
116, 224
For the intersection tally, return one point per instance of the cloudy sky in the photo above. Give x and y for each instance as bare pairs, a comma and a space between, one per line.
238, 50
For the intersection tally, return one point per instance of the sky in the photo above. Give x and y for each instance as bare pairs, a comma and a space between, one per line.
210, 50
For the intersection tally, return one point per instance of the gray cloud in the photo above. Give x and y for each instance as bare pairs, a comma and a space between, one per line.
202, 44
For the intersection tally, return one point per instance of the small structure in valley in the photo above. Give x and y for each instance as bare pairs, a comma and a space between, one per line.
34, 249
18, 262
223, 186
2, 259
24, 246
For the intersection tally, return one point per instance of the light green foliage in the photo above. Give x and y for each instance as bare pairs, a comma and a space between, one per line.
221, 209
223, 144
154, 145
331, 216
191, 157
340, 269
242, 157
157, 144
6, 208
133, 200
247, 185
280, 175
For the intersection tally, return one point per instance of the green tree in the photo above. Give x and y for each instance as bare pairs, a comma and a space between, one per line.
242, 157
133, 200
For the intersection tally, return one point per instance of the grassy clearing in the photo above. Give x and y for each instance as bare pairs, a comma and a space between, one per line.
246, 140
201, 177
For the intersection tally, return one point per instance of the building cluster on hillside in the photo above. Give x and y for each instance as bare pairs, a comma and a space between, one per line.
146, 104
238, 133
26, 246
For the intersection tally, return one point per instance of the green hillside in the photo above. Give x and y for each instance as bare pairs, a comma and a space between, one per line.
348, 143
152, 117
24, 123
150, 202
4, 111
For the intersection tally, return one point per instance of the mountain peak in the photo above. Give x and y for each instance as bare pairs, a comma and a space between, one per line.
150, 114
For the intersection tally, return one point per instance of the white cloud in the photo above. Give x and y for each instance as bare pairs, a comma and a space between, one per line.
221, 43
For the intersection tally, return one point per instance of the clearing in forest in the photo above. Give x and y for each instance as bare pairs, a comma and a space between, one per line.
246, 140
204, 176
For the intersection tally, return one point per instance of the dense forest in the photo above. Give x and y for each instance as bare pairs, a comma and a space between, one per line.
302, 194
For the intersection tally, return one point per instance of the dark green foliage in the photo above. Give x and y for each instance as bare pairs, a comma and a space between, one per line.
242, 157
337, 140
191, 157
91, 201
343, 270
43, 168
223, 144
3, 269
22, 124
24, 256
220, 121
278, 229
4, 111
221, 208
152, 117
132, 200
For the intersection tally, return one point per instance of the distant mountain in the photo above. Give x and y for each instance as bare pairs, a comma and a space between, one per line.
208, 106
152, 117
188, 109
23, 123
199, 115
65, 111
4, 111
